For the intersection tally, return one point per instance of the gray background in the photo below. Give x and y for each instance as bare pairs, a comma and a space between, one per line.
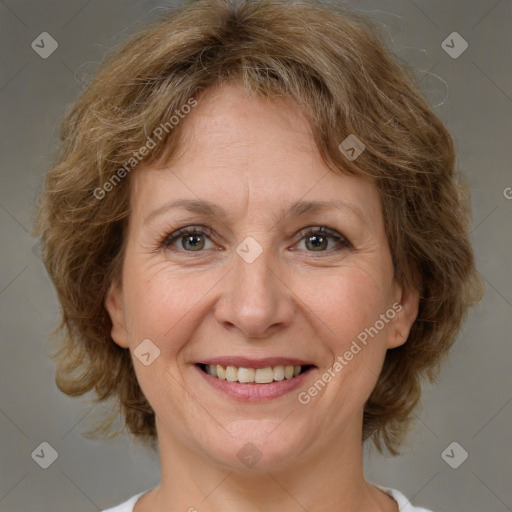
470, 404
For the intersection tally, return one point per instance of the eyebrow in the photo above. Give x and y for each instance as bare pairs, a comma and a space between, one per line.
296, 209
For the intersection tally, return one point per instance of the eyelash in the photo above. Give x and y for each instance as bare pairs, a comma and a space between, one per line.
341, 241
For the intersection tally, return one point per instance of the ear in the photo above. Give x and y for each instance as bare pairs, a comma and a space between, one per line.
115, 309
406, 307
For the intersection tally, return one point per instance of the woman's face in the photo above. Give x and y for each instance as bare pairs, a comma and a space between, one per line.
256, 286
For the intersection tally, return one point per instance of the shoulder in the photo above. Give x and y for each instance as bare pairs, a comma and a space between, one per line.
404, 505
126, 506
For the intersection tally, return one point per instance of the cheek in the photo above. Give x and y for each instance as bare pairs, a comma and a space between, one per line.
348, 302
161, 302
348, 309
354, 335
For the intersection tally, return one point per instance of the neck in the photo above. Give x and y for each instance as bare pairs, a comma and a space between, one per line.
328, 478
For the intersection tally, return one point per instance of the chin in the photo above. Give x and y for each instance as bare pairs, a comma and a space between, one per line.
259, 445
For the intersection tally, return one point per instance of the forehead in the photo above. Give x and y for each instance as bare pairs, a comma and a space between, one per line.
248, 152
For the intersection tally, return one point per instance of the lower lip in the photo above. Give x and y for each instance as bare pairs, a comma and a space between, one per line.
255, 392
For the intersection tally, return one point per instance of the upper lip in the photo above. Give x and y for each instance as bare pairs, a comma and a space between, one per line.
246, 362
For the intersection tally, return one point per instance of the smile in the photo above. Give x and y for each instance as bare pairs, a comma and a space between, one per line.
252, 380
253, 375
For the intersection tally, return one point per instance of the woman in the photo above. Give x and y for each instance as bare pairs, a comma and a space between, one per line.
260, 248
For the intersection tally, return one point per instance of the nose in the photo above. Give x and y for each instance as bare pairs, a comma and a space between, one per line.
256, 298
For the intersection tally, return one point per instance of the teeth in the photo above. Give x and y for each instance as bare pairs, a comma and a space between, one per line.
252, 375
231, 373
279, 372
221, 372
246, 374
288, 372
264, 375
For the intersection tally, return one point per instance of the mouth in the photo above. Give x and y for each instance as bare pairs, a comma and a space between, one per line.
254, 380
244, 375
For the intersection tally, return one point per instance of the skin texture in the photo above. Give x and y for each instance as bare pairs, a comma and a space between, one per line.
253, 157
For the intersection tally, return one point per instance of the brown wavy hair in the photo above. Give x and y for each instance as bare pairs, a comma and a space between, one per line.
337, 65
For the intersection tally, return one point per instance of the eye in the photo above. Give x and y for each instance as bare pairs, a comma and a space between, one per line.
317, 239
191, 238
